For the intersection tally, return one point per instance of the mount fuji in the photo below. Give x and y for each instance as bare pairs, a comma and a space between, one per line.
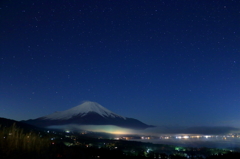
88, 113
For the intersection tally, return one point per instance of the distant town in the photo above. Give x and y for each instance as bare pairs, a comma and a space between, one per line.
128, 147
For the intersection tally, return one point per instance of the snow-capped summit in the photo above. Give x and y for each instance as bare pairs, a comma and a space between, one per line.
88, 113
82, 110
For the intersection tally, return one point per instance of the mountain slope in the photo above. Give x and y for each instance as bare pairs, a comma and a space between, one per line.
6, 123
88, 113
82, 110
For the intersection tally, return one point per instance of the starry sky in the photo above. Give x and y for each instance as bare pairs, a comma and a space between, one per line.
164, 62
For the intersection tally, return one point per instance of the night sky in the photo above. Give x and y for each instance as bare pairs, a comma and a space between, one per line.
164, 62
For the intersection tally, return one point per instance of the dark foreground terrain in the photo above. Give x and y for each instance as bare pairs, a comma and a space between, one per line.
30, 143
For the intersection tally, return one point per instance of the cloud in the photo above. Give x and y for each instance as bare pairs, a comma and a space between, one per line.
112, 129
204, 130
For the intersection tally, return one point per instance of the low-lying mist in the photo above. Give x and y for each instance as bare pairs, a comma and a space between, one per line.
155, 131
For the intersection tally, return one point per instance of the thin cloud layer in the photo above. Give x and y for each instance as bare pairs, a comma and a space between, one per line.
150, 131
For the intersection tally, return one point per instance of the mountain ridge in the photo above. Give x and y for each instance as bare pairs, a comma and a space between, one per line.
88, 113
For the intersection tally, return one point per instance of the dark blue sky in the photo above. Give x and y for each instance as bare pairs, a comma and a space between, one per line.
164, 62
